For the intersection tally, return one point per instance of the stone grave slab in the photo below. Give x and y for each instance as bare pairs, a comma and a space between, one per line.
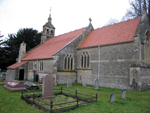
123, 96
96, 84
47, 87
113, 97
14, 86
30, 85
69, 83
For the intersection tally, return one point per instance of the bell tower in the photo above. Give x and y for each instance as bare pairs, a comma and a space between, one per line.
48, 30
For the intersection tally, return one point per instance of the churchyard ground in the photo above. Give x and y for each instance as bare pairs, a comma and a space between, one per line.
137, 102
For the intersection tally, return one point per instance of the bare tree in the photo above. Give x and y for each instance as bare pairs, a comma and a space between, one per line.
137, 8
112, 21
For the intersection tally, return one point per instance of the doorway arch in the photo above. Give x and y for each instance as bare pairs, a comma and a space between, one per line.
21, 74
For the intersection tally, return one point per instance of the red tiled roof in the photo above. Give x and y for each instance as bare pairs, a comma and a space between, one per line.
116, 33
51, 46
16, 65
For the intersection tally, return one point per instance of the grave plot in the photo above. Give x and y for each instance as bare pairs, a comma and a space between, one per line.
14, 85
63, 100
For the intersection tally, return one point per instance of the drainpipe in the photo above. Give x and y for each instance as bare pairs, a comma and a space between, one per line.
37, 66
99, 66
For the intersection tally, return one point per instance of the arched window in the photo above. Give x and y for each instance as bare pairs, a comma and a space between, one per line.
30, 65
85, 59
52, 32
68, 62
47, 31
41, 65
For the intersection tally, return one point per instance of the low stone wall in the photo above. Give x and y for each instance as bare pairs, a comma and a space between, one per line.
140, 78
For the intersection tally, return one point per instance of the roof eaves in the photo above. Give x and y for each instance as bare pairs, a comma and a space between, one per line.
38, 59
18, 65
106, 44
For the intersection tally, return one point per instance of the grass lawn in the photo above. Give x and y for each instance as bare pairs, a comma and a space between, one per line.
137, 102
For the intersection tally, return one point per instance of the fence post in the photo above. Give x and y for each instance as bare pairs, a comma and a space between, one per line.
22, 94
51, 105
96, 97
77, 103
76, 93
61, 90
33, 97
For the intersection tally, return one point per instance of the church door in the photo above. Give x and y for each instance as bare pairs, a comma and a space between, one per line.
21, 74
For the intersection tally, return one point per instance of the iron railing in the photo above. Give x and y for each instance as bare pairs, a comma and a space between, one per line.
34, 97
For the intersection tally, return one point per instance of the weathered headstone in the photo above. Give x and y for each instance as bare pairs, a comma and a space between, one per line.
84, 83
123, 96
69, 83
14, 85
96, 84
112, 97
10, 75
47, 88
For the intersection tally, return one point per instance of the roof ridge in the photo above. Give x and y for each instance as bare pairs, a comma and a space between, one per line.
118, 23
69, 32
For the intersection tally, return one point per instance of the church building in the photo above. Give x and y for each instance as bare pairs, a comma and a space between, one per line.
117, 55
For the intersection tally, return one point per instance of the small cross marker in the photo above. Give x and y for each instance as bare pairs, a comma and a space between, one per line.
90, 20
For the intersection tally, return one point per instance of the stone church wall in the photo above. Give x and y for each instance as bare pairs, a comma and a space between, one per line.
115, 61
13, 74
70, 49
63, 76
88, 75
47, 68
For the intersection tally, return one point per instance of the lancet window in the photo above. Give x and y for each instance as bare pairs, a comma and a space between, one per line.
68, 62
41, 65
85, 59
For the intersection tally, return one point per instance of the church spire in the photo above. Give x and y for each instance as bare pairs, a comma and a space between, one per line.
48, 30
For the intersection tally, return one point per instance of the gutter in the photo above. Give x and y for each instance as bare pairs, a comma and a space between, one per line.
37, 66
99, 48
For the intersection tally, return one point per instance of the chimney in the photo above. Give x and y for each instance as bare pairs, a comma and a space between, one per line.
22, 51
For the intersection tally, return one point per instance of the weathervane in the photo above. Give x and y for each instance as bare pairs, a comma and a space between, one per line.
50, 12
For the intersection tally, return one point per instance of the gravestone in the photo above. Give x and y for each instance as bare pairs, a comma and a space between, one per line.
123, 96
47, 87
69, 83
83, 83
96, 84
112, 97
10, 75
14, 85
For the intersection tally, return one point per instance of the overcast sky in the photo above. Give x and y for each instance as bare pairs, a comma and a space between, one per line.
67, 15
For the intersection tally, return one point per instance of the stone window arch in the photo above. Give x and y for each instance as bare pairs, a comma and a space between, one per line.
68, 62
85, 60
